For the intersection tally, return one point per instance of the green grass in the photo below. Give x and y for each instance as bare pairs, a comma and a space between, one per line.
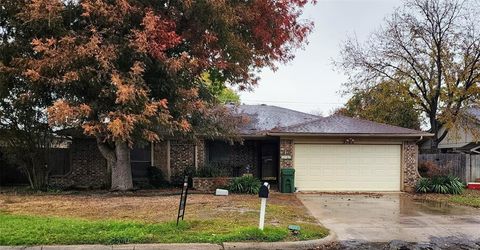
36, 230
468, 198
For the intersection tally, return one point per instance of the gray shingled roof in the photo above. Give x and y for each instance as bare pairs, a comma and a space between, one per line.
263, 118
338, 124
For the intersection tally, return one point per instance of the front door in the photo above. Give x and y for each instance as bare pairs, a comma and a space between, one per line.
269, 162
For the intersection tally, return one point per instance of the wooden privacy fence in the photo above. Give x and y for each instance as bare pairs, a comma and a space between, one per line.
464, 166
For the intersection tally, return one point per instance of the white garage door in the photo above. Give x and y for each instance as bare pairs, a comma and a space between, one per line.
321, 167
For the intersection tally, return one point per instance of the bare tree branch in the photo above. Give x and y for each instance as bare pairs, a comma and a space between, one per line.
433, 46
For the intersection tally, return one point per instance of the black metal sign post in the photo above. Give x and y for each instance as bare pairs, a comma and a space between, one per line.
183, 200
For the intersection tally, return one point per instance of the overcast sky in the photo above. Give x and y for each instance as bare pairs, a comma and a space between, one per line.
309, 83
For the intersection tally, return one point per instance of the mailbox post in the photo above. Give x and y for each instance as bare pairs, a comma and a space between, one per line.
263, 194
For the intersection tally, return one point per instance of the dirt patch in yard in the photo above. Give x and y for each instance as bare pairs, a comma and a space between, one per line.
154, 206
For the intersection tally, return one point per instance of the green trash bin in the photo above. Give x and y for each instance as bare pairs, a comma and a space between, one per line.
288, 180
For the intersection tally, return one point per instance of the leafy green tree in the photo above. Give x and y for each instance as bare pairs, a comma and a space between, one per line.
229, 95
384, 103
216, 87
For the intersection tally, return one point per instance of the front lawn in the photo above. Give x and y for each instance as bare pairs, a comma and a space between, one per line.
104, 218
467, 198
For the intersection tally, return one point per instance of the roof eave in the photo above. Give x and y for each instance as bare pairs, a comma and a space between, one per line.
259, 135
413, 135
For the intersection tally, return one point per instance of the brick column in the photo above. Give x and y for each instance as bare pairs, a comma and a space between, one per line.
286, 153
161, 155
201, 153
410, 166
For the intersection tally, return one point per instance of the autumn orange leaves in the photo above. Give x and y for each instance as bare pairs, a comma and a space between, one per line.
122, 69
159, 35
128, 71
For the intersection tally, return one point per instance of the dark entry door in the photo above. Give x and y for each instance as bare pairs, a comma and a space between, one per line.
269, 162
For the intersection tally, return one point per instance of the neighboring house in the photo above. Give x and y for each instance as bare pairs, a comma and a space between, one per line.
334, 153
464, 139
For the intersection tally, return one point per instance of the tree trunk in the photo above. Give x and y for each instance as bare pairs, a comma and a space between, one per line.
28, 173
118, 164
36, 171
108, 179
122, 170
432, 116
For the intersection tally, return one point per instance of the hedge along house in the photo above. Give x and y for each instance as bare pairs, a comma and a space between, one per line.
333, 153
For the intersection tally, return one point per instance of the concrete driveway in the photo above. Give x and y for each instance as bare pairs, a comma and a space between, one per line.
387, 217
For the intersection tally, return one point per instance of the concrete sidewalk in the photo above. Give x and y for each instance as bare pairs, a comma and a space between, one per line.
328, 242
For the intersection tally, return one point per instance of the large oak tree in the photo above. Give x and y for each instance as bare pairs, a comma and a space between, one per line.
430, 46
130, 70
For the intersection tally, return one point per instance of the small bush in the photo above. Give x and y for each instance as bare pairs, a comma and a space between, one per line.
212, 171
423, 185
245, 185
156, 177
440, 184
430, 169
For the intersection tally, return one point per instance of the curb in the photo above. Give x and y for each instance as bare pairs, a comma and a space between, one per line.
324, 243
327, 242
192, 246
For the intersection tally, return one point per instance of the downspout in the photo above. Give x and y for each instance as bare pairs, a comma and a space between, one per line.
421, 138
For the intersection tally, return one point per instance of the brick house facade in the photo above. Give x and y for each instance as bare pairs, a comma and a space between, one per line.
269, 145
172, 157
88, 168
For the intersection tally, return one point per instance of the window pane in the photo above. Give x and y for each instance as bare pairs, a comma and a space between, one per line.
219, 151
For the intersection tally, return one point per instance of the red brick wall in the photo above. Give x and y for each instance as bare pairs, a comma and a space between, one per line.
201, 153
210, 184
182, 156
88, 168
240, 155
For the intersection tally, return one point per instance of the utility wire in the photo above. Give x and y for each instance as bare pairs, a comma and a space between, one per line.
293, 102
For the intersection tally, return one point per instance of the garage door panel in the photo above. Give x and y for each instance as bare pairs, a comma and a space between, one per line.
347, 167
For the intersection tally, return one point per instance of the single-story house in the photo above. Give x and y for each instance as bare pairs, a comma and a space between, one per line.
334, 153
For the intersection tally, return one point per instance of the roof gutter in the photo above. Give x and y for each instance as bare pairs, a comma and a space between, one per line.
350, 135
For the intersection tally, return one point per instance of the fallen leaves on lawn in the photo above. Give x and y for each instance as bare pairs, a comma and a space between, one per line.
154, 207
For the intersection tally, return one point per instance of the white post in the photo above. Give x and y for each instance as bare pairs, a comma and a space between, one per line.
263, 205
